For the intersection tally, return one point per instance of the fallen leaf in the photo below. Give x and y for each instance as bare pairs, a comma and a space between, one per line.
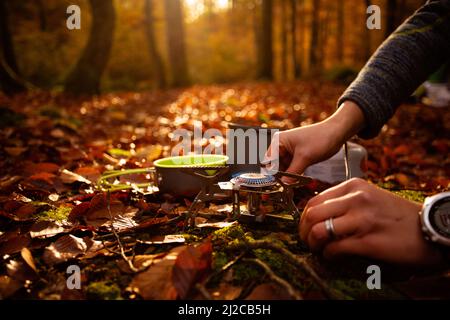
192, 264
14, 244
90, 173
79, 211
217, 225
53, 197
8, 181
155, 283
15, 151
46, 229
152, 222
35, 168
268, 291
28, 258
71, 177
69, 247
149, 153
20, 271
164, 239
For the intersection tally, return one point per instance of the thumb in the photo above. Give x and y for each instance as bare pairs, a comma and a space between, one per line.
297, 166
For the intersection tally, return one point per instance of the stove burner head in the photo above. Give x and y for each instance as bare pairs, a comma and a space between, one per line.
254, 180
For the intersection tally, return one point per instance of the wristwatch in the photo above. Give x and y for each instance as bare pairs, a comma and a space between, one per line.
435, 218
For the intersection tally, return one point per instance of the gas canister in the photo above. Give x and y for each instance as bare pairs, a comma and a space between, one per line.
333, 170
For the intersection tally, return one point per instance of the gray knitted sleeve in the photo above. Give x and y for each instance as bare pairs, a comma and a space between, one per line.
416, 49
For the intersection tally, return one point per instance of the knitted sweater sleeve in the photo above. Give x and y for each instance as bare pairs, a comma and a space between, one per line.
416, 49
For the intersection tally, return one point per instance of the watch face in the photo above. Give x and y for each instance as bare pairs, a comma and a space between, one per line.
440, 217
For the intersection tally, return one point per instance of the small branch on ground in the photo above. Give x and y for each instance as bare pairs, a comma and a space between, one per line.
119, 242
290, 289
202, 286
292, 258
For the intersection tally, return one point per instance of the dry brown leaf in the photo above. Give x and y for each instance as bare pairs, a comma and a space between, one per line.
217, 225
268, 291
15, 151
69, 247
28, 258
71, 177
155, 283
15, 243
191, 266
20, 271
164, 239
46, 229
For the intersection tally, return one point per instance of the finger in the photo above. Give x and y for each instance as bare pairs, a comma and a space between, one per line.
275, 149
344, 226
273, 157
337, 191
346, 246
297, 166
314, 214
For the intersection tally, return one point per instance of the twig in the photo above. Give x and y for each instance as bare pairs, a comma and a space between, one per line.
299, 262
122, 250
201, 286
290, 289
205, 293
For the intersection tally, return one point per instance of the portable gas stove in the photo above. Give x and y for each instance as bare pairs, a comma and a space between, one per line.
257, 186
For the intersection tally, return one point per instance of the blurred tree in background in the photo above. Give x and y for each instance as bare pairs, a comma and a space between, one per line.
85, 77
138, 45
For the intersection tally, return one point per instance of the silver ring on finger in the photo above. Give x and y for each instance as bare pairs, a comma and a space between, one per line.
329, 226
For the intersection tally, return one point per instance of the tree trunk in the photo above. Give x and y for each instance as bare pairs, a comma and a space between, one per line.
391, 21
314, 44
295, 63
9, 80
340, 31
176, 43
42, 15
284, 41
323, 38
265, 44
86, 75
157, 62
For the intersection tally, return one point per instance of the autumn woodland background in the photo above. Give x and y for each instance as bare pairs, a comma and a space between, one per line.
147, 44
76, 104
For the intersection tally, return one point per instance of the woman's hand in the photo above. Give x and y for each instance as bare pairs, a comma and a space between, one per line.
368, 221
302, 147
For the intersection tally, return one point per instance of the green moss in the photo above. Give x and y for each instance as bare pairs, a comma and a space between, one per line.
411, 195
245, 272
231, 232
119, 153
272, 259
220, 259
103, 290
356, 289
58, 214
190, 238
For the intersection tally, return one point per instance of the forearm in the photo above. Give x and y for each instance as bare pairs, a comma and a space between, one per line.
346, 122
400, 65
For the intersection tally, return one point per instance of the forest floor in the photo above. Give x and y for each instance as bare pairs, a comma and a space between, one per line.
133, 244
